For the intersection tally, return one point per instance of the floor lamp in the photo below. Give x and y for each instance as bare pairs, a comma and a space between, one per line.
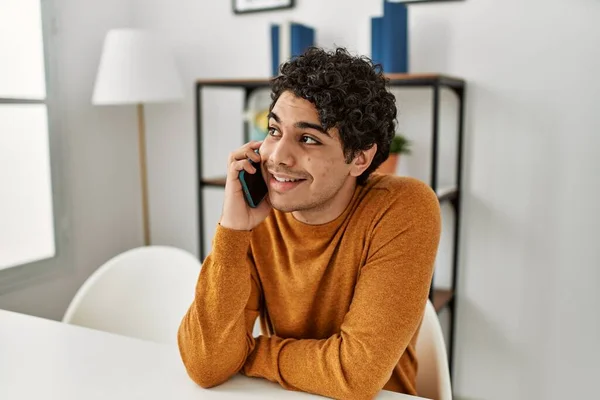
137, 68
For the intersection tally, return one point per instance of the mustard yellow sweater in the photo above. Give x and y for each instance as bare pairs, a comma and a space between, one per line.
340, 304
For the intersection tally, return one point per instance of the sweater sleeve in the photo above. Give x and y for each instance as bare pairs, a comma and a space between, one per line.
215, 335
385, 313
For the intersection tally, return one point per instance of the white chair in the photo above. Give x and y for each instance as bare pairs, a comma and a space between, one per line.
433, 376
143, 293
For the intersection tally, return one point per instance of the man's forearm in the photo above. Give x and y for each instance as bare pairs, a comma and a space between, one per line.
213, 337
328, 367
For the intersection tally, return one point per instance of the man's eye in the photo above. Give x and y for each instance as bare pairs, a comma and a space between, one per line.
309, 140
273, 131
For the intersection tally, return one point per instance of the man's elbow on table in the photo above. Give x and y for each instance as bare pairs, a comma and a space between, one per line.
207, 378
206, 368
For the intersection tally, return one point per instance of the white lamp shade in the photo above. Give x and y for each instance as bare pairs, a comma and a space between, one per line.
136, 67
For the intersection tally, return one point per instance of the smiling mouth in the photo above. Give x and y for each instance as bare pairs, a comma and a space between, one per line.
282, 184
283, 176
288, 179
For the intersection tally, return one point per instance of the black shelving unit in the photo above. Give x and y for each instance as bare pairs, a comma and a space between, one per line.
441, 298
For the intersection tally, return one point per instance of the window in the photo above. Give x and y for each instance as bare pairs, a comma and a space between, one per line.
27, 209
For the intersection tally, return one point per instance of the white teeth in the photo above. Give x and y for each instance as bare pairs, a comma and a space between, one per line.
285, 180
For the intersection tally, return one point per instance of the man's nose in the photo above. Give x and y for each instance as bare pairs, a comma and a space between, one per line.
283, 153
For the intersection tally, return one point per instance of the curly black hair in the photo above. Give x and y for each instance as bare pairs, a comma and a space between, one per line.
350, 93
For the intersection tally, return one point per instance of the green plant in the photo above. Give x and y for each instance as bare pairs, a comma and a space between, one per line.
400, 145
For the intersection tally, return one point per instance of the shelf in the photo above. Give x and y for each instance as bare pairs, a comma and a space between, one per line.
425, 80
395, 80
441, 298
214, 182
246, 83
443, 194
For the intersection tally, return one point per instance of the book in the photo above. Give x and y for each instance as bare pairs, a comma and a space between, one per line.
394, 37
377, 40
289, 40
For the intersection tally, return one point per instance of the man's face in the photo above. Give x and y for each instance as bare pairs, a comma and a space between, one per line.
304, 166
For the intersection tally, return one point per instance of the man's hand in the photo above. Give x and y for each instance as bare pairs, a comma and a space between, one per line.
236, 212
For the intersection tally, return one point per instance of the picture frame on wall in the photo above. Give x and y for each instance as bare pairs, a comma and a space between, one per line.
419, 1
251, 6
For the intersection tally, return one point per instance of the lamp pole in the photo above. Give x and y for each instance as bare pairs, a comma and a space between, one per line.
143, 172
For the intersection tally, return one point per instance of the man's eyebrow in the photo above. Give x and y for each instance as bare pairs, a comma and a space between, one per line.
301, 124
310, 125
274, 116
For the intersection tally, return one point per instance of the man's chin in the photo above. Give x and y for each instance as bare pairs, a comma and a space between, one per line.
286, 208
283, 205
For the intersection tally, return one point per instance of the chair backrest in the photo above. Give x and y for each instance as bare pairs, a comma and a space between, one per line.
143, 293
433, 376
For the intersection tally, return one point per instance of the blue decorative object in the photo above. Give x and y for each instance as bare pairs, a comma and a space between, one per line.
377, 40
395, 34
389, 38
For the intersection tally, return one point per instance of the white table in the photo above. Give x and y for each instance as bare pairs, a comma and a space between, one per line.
44, 359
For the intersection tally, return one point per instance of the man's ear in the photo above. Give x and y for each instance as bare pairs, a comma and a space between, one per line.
363, 160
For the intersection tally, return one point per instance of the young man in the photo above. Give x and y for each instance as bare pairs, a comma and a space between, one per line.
336, 262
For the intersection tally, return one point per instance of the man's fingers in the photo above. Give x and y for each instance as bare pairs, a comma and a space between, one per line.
240, 165
245, 152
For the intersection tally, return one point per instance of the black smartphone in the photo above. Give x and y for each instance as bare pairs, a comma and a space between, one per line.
254, 186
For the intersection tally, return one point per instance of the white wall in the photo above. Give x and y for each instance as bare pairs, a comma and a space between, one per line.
528, 319
98, 165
